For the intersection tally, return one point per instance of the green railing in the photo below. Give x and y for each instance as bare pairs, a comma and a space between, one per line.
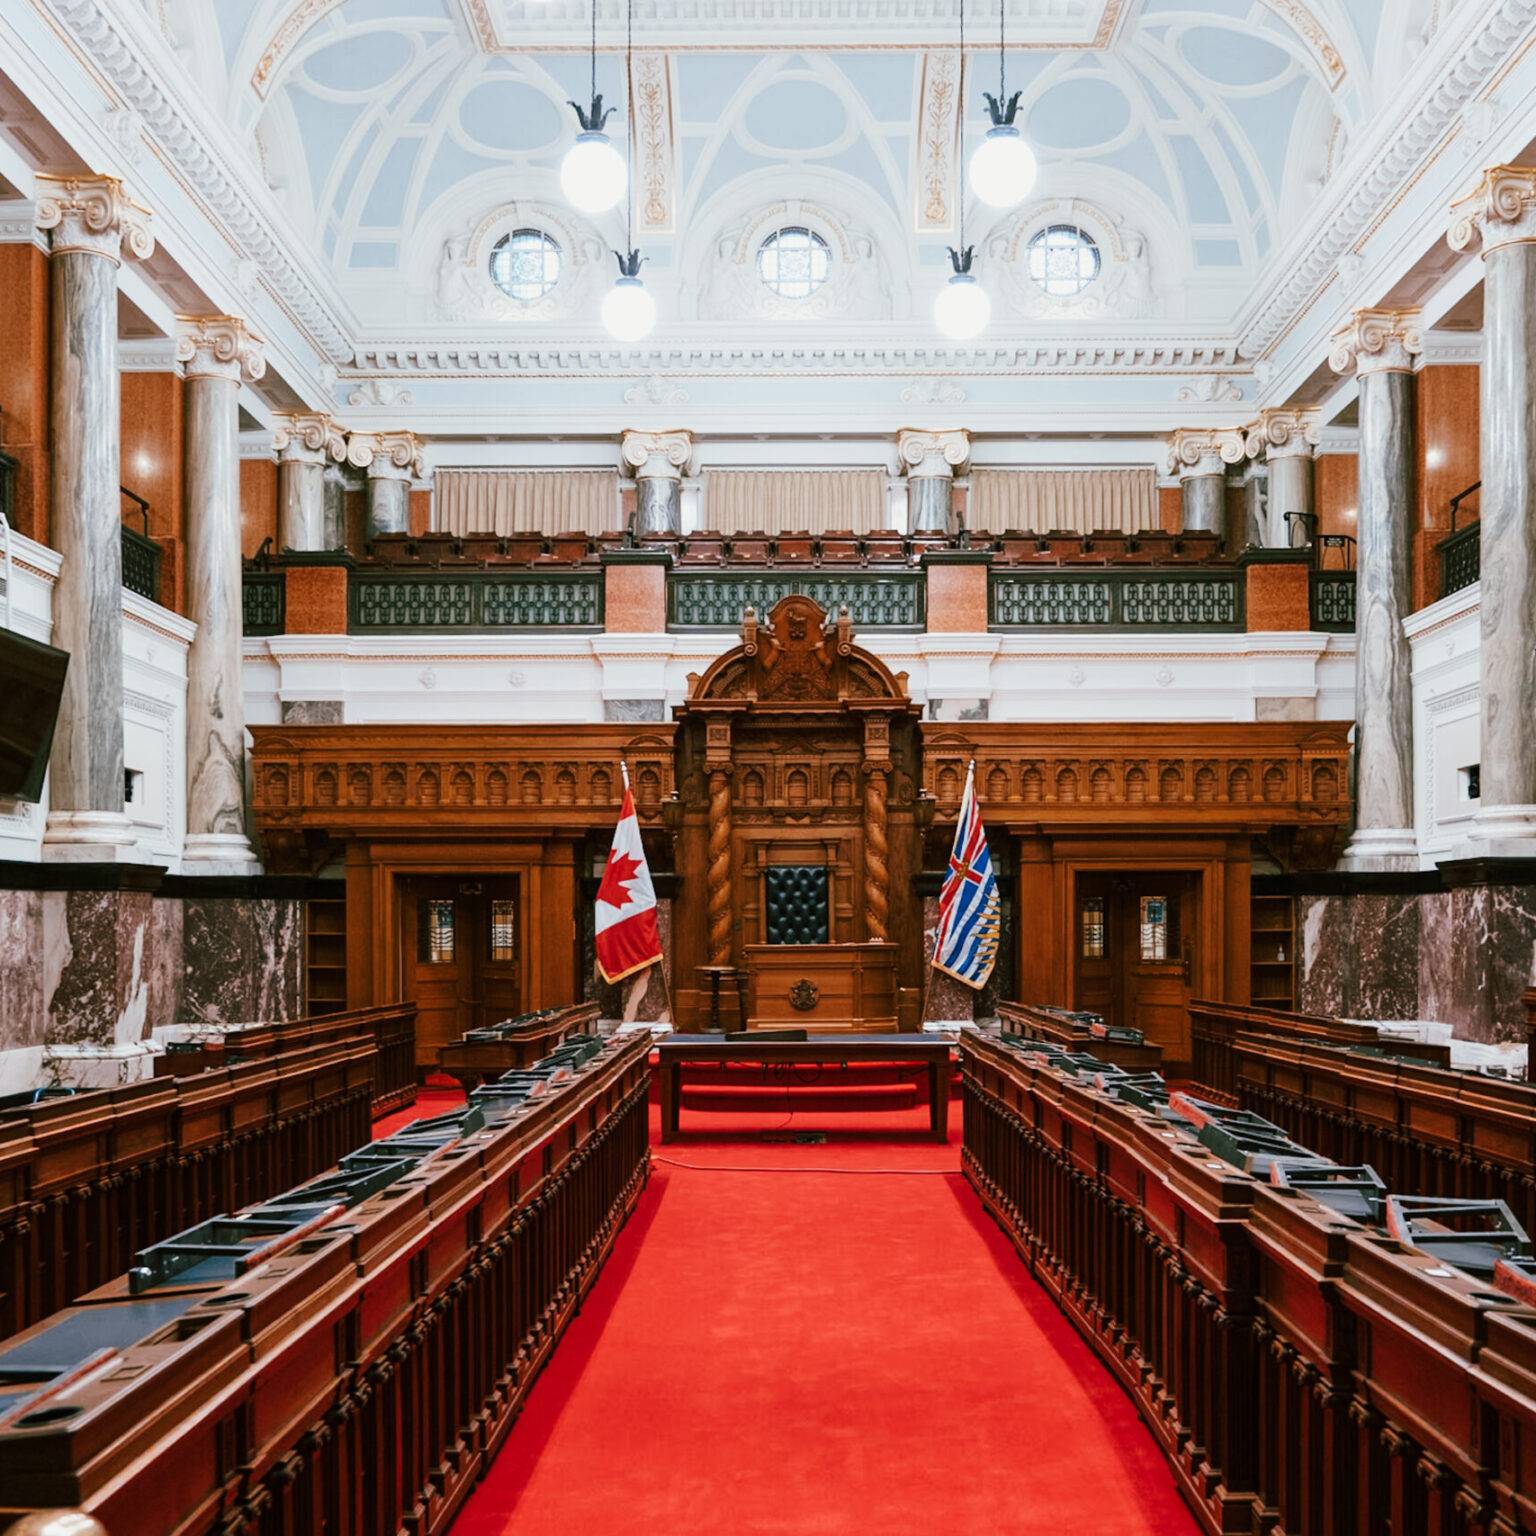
141, 565
383, 602
1117, 600
1333, 601
265, 602
1461, 559
706, 600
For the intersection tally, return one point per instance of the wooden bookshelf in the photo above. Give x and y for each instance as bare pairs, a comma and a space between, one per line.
325, 954
1272, 954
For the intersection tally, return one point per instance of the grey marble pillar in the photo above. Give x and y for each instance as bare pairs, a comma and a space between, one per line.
217, 352
1290, 490
304, 446
1255, 507
1379, 345
1501, 212
92, 226
389, 501
334, 513
1203, 501
930, 500
658, 505
930, 459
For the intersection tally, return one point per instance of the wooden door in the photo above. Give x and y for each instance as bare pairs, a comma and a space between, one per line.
1135, 940
461, 943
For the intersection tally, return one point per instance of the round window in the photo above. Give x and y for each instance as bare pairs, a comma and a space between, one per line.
525, 265
1063, 260
794, 262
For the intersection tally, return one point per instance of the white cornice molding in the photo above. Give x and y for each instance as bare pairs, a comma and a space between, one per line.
1387, 162
191, 139
1449, 348
155, 354
18, 224
1337, 440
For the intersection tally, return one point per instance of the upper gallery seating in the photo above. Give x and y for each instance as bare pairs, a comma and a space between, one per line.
347, 1355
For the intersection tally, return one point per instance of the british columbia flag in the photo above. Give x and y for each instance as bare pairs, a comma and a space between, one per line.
965, 944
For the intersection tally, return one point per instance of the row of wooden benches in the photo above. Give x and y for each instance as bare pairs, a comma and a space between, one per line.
1313, 1352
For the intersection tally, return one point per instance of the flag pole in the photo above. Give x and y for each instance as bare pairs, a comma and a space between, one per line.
970, 776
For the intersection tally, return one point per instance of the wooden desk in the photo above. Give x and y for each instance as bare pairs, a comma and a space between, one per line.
823, 987
678, 1051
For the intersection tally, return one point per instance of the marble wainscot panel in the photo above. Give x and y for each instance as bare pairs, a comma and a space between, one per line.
651, 1007
950, 1003
23, 1018
97, 966
242, 959
1360, 955
1321, 975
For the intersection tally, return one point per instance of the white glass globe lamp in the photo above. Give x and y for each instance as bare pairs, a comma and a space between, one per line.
593, 175
962, 307
1003, 167
629, 311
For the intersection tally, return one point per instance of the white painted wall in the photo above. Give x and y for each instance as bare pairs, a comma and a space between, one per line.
1446, 728
155, 642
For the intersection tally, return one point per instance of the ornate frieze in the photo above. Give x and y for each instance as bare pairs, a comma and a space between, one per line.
1283, 433
219, 347
386, 455
936, 147
653, 137
93, 214
1376, 341
935, 454
657, 455
1500, 210
310, 439
1203, 451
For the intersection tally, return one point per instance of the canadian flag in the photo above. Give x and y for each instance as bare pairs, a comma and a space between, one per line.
627, 940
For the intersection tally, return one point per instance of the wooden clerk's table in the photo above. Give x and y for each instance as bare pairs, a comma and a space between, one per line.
678, 1051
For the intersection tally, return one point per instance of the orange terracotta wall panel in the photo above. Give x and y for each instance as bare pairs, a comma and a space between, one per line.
421, 512
258, 504
957, 598
1446, 448
1336, 492
635, 598
24, 381
153, 463
316, 600
1279, 598
1170, 508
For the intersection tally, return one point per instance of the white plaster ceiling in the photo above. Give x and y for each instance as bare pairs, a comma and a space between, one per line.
1188, 135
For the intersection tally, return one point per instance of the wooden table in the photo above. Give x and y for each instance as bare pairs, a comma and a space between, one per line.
678, 1051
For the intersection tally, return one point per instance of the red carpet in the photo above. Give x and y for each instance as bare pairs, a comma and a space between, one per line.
852, 1351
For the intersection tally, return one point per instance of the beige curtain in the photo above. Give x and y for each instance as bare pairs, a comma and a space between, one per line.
793, 500
525, 500
1077, 499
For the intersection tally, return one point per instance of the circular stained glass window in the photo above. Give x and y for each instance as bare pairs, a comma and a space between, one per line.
525, 265
794, 262
1063, 260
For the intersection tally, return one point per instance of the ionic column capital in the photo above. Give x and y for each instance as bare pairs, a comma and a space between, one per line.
308, 440
219, 347
386, 455
657, 455
1283, 433
93, 214
1376, 341
1499, 210
1196, 451
936, 454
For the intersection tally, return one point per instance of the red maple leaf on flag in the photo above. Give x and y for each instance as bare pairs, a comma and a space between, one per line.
621, 869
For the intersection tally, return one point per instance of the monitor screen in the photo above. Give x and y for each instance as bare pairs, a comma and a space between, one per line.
31, 684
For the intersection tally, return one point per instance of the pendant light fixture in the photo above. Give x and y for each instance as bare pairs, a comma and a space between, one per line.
628, 311
1003, 169
962, 307
593, 174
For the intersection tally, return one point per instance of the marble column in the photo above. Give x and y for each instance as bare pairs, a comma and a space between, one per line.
305, 445
1501, 214
1286, 438
930, 460
1199, 457
658, 461
218, 353
1255, 504
392, 460
92, 226
1379, 346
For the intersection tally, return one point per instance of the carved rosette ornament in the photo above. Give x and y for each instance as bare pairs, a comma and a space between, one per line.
937, 454
1283, 434
1376, 341
1203, 451
386, 455
219, 347
308, 440
657, 455
1500, 210
94, 215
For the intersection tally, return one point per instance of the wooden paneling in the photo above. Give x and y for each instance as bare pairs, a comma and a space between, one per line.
24, 400
258, 504
152, 466
1447, 460
1335, 495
